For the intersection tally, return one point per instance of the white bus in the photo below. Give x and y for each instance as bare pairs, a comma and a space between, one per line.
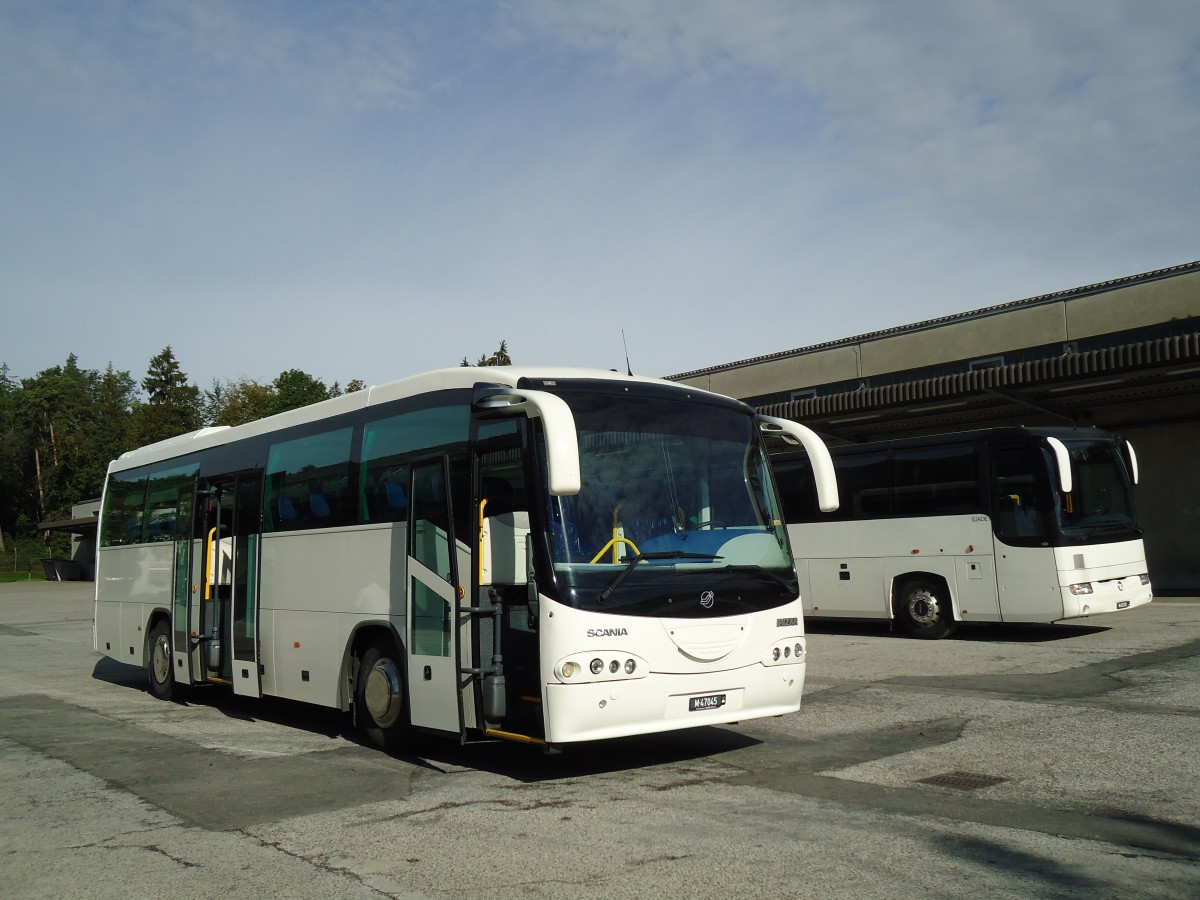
545, 556
996, 525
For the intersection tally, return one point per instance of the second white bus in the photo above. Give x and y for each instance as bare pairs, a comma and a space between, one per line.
994, 525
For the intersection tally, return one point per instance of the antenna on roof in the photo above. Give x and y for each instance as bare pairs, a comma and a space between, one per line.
628, 368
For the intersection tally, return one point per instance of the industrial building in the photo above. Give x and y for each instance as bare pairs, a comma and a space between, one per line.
1123, 355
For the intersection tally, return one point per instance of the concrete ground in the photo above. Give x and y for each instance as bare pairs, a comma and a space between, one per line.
1052, 761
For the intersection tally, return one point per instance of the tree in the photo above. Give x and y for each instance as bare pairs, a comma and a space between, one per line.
499, 358
241, 402
64, 426
10, 468
173, 405
294, 389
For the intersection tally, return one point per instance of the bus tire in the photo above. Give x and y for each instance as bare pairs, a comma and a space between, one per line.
923, 609
159, 661
379, 694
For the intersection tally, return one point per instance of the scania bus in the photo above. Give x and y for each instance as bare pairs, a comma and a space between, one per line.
995, 525
547, 556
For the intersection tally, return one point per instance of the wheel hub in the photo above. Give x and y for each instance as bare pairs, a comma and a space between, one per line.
382, 692
160, 659
924, 608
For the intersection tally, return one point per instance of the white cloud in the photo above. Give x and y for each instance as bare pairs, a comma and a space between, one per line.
721, 179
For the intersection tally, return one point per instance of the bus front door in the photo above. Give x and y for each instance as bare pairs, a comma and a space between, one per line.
433, 600
227, 628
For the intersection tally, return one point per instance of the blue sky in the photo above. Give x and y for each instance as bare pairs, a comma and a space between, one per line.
368, 189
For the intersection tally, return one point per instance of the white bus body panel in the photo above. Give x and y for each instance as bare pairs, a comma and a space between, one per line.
848, 569
677, 659
141, 575
852, 566
358, 571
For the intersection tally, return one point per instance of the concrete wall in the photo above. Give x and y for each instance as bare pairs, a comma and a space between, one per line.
1134, 306
1168, 502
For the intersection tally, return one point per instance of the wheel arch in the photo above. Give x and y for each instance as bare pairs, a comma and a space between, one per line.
360, 638
900, 579
156, 615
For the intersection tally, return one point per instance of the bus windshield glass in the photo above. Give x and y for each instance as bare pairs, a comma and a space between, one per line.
677, 514
1100, 505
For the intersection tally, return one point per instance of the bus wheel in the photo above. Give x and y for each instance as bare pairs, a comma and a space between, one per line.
158, 658
380, 696
923, 610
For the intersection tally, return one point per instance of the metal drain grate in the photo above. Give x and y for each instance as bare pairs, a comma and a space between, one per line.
962, 781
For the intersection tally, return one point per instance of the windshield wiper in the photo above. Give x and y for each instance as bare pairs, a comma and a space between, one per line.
765, 573
664, 554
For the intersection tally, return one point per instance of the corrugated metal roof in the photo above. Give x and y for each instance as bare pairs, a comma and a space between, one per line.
1084, 291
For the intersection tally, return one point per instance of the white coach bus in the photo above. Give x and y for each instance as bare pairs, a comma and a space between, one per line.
545, 556
995, 525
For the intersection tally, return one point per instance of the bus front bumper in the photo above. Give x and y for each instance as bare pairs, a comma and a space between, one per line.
1098, 597
665, 702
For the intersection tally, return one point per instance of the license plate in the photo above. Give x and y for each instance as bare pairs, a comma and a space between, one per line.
711, 701
1122, 604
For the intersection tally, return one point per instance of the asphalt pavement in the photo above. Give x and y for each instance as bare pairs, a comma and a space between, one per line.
1047, 761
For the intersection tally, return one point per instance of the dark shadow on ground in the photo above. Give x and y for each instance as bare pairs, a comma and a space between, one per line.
996, 632
519, 761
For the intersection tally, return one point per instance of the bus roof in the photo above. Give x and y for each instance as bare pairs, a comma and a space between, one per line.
1026, 432
460, 377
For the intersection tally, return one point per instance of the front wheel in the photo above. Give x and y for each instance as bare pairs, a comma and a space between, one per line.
158, 661
923, 609
379, 693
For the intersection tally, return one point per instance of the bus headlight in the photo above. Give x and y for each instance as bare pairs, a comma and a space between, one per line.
614, 667
1077, 589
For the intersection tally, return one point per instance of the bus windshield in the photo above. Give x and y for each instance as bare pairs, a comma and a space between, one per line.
677, 514
1100, 505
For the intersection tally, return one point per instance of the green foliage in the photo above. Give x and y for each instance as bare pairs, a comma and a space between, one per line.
173, 405
66, 424
235, 403
294, 389
60, 428
499, 358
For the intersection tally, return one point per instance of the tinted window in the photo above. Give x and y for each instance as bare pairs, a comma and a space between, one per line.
390, 444
862, 485
935, 481
308, 481
124, 510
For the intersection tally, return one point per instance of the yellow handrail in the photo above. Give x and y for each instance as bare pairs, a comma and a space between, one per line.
482, 506
616, 539
208, 558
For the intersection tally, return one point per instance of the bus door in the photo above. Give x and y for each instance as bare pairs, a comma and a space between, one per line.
505, 620
433, 601
1026, 571
226, 626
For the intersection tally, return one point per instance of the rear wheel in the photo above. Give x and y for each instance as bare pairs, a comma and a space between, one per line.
158, 661
923, 609
379, 693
